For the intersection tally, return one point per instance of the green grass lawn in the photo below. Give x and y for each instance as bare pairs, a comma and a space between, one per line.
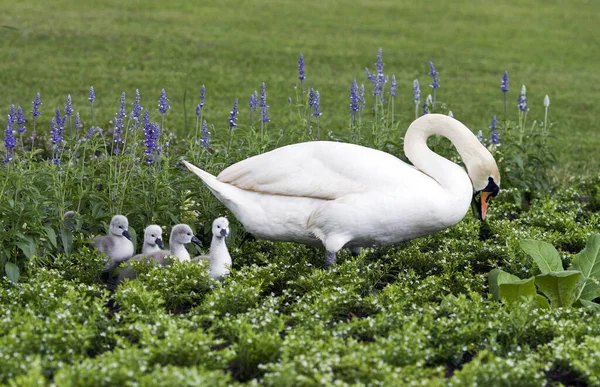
233, 46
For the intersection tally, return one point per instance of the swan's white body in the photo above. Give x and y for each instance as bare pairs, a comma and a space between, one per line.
344, 195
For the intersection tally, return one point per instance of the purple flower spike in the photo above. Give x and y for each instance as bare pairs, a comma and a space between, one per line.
151, 135
78, 123
361, 94
504, 84
494, 138
311, 98
163, 102
354, 97
90, 133
55, 132
494, 123
92, 96
317, 105
264, 114
416, 92
252, 102
60, 122
202, 92
137, 108
290, 101
68, 106
9, 141
522, 100
436, 82
36, 105
393, 86
20, 120
233, 114
205, 140
301, 75
122, 109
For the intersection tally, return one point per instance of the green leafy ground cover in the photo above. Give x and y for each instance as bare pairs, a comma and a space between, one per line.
417, 313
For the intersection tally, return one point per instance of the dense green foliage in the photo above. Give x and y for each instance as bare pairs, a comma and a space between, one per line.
415, 313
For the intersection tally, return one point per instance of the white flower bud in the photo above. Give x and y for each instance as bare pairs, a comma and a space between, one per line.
546, 101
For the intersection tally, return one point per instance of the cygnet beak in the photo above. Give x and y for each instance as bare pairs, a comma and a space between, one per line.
126, 234
224, 232
196, 241
160, 243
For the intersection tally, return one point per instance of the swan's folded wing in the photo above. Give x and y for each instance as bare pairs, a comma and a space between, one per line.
302, 170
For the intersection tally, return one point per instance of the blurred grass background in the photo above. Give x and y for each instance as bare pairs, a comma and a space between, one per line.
231, 46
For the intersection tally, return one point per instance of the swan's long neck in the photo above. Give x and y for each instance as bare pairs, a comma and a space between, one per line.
448, 174
179, 250
219, 255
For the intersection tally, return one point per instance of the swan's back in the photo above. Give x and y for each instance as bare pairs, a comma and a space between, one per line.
320, 170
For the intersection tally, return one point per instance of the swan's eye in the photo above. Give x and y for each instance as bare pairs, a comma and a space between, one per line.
152, 235
120, 226
189, 233
218, 226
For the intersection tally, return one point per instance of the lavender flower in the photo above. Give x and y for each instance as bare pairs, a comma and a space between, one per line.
301, 75
263, 104
163, 102
122, 109
60, 122
494, 123
13, 113
290, 100
202, 92
36, 105
494, 138
78, 124
393, 86
9, 140
436, 82
416, 92
151, 135
68, 106
56, 135
92, 96
252, 102
205, 140
119, 125
20, 121
317, 105
504, 83
311, 98
378, 80
90, 132
522, 100
137, 108
198, 110
233, 115
354, 98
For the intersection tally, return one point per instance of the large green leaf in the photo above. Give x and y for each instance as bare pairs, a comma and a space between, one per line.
560, 287
591, 305
497, 277
517, 290
544, 254
588, 262
12, 272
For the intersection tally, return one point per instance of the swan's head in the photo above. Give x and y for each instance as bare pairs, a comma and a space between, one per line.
486, 185
119, 226
153, 236
183, 234
220, 227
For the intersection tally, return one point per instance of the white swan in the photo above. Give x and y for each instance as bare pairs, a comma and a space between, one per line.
117, 243
344, 195
218, 258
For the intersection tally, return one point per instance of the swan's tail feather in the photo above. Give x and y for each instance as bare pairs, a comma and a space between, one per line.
205, 176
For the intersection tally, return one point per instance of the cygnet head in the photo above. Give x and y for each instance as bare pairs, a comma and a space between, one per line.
183, 234
153, 235
220, 227
119, 226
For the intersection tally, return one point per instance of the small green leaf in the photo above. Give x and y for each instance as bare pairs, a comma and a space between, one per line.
497, 277
12, 272
544, 254
517, 290
588, 262
560, 287
66, 237
27, 246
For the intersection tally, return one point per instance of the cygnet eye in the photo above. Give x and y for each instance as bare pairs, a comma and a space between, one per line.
189, 233
218, 226
152, 235
120, 226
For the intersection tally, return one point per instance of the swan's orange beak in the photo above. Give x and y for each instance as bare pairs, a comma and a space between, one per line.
485, 197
